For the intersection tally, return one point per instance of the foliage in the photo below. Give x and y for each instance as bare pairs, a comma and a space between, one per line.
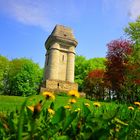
117, 59
19, 76
83, 66
80, 70
133, 32
121, 80
94, 84
44, 122
4, 65
24, 77
96, 63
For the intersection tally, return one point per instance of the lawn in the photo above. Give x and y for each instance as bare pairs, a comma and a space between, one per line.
12, 103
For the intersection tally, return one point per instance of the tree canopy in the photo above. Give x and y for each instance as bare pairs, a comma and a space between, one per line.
4, 66
21, 77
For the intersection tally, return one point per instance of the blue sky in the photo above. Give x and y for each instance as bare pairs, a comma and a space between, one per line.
26, 24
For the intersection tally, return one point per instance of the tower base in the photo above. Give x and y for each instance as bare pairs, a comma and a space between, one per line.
58, 86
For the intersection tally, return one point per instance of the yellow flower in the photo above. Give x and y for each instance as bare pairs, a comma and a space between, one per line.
137, 103
74, 93
131, 108
72, 101
31, 108
48, 95
87, 104
51, 111
97, 104
67, 107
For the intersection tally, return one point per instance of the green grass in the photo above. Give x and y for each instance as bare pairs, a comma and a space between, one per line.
12, 103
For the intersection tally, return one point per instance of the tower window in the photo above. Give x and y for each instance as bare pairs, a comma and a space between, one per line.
47, 59
58, 85
63, 58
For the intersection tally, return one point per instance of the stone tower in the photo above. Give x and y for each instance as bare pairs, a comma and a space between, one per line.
59, 61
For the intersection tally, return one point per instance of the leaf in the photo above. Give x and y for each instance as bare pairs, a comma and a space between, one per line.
63, 138
52, 105
120, 122
100, 134
59, 115
21, 118
85, 110
69, 120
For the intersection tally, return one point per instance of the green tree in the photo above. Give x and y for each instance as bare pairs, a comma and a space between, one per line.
24, 77
81, 70
96, 63
133, 32
4, 66
83, 66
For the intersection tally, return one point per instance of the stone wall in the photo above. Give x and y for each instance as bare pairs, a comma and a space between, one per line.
58, 85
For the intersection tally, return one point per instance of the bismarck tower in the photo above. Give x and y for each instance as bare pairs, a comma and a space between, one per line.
59, 61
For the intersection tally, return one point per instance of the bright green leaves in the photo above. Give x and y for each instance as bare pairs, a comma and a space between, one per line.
69, 118
20, 77
4, 65
59, 115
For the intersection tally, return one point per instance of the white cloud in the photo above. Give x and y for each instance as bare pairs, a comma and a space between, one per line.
27, 12
44, 14
134, 10
123, 8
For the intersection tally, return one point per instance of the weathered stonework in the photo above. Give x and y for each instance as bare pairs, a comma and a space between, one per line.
57, 86
59, 62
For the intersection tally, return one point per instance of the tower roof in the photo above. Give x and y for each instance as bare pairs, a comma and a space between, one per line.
62, 34
63, 31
